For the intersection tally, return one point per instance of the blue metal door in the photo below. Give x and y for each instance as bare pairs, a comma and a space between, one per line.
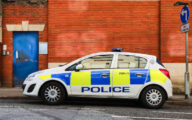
25, 55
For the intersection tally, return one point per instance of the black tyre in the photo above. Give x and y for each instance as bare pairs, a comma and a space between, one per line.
53, 93
153, 97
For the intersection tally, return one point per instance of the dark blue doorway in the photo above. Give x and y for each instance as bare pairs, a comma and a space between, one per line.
25, 55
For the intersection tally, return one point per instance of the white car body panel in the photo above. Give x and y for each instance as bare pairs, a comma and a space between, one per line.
74, 90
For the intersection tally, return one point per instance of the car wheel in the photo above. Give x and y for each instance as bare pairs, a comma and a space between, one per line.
53, 93
153, 97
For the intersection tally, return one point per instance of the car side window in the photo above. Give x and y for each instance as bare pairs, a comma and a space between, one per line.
95, 62
131, 62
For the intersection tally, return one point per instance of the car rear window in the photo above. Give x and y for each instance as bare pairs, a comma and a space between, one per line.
160, 63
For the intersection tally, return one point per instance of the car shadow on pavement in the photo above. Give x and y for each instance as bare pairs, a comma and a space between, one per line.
76, 101
102, 102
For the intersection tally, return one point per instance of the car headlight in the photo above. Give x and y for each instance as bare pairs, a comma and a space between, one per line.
31, 76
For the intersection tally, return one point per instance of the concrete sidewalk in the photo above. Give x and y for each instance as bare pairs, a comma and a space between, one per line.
16, 93
11, 93
180, 100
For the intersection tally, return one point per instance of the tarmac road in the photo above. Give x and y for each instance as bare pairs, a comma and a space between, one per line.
89, 109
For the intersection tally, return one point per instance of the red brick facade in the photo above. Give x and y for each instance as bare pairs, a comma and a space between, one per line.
14, 14
172, 41
151, 27
77, 28
80, 28
1, 66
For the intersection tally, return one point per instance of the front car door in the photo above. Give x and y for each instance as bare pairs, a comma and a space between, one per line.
130, 75
95, 77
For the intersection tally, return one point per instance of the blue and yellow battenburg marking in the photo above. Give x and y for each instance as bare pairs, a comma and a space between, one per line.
157, 76
107, 77
65, 77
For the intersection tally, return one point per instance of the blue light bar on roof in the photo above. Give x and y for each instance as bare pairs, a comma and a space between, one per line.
117, 49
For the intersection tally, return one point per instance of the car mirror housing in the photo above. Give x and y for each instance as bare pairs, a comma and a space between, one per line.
79, 67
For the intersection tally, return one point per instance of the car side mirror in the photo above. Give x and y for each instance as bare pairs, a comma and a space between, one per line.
79, 67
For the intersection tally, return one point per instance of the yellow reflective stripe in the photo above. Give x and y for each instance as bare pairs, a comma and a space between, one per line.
44, 77
111, 77
157, 76
81, 78
121, 77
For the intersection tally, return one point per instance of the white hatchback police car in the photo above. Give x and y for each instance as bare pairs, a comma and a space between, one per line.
108, 75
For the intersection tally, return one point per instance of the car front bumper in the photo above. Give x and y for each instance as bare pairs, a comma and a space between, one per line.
31, 88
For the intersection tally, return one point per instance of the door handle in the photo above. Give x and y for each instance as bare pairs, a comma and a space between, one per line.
105, 75
17, 54
139, 74
122, 73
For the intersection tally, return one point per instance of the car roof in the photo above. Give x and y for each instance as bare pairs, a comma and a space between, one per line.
131, 53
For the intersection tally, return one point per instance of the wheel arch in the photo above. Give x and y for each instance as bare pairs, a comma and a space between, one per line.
154, 85
53, 80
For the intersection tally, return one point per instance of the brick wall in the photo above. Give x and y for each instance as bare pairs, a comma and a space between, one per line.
1, 66
78, 28
172, 41
15, 13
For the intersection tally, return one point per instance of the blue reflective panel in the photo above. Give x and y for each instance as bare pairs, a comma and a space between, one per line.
98, 79
65, 77
139, 79
25, 55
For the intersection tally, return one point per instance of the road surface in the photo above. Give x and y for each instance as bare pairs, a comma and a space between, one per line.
89, 109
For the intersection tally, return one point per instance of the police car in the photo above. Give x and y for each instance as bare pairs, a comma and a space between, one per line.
113, 74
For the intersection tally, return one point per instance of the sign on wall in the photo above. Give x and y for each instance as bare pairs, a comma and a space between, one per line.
43, 48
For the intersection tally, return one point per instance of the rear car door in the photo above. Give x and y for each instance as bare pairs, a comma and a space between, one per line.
130, 75
95, 77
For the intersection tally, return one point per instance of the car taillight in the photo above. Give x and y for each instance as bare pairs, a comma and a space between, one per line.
165, 72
